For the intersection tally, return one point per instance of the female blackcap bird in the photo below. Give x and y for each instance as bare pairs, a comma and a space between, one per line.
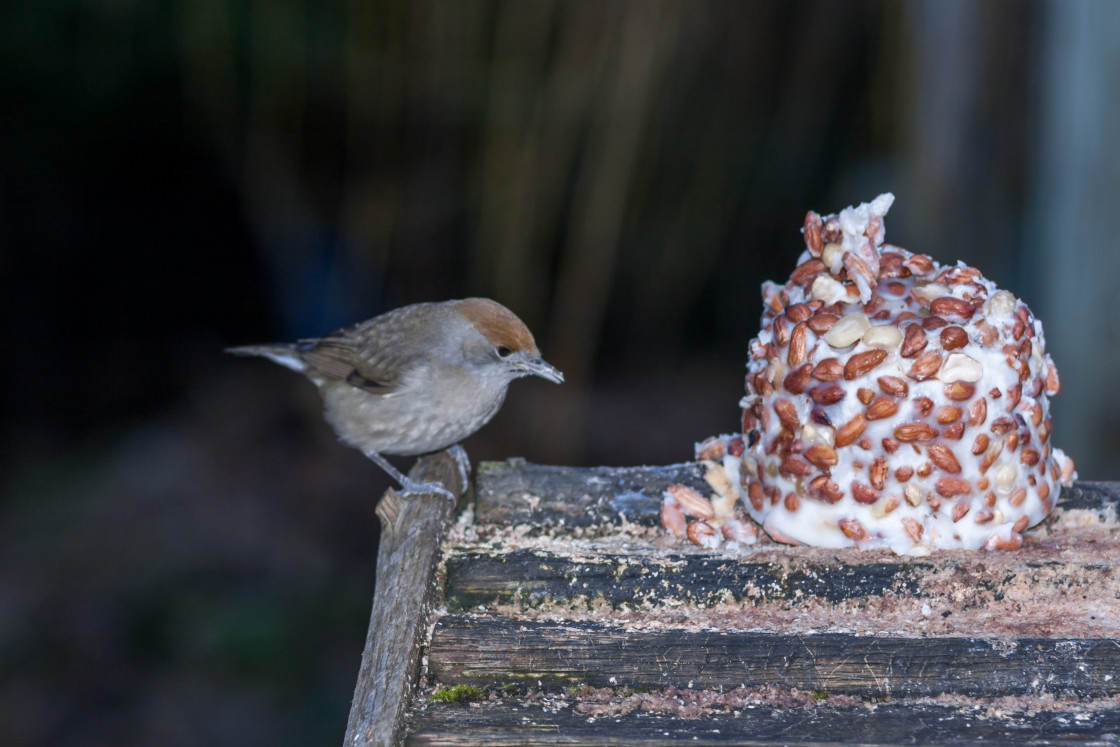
416, 379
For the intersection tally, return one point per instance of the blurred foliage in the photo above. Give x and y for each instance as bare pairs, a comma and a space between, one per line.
611, 171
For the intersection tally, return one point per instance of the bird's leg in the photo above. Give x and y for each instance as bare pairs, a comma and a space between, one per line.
407, 483
464, 462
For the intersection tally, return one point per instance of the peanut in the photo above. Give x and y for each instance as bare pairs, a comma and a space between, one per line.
847, 330
978, 412
948, 414
798, 342
703, 534
830, 369
944, 458
894, 385
821, 323
882, 407
950, 306
953, 432
961, 367
878, 472
807, 271
826, 394
960, 509
861, 363
912, 528
913, 341
852, 529
821, 455
797, 381
925, 365
864, 493
825, 489
949, 487
915, 431
883, 336
794, 466
953, 337
919, 264
812, 231
799, 312
787, 414
691, 502
959, 390
851, 430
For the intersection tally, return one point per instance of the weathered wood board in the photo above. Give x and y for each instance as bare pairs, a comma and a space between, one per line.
514, 725
533, 577
581, 622
556, 655
519, 492
516, 491
412, 527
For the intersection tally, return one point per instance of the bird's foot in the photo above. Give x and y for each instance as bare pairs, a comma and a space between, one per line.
408, 485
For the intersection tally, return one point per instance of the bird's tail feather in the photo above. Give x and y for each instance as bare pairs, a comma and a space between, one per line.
284, 354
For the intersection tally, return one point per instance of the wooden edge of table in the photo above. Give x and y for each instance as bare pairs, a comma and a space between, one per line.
412, 528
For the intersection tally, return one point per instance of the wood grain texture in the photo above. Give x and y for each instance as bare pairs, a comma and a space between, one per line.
412, 527
516, 491
1032, 592
892, 724
493, 652
1102, 497
531, 578
554, 596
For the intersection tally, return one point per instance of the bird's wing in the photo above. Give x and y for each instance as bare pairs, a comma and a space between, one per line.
338, 356
359, 356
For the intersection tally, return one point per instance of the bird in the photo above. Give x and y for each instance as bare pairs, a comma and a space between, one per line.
416, 379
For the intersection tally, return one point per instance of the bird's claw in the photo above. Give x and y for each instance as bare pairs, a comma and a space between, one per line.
408, 485
412, 486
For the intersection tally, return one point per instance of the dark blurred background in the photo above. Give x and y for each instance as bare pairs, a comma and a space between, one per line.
186, 554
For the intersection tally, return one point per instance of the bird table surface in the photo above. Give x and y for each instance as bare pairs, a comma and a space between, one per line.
569, 616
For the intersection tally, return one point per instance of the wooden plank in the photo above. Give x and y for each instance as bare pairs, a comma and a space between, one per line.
986, 628
1102, 497
510, 725
1032, 587
516, 491
493, 652
412, 528
532, 578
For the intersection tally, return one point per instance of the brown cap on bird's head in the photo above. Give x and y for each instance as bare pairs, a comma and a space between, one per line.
498, 324
509, 335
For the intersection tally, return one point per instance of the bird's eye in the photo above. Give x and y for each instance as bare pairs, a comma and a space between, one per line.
504, 352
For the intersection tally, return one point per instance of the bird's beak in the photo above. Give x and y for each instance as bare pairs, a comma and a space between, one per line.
538, 367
